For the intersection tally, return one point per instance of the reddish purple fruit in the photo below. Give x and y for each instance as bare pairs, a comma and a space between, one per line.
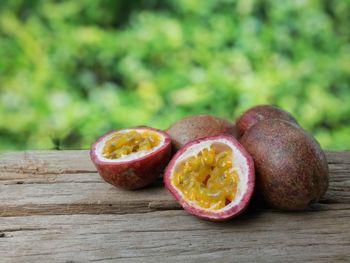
291, 168
261, 112
197, 127
131, 158
212, 178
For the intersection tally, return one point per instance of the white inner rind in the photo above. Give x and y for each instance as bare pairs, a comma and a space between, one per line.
239, 163
131, 156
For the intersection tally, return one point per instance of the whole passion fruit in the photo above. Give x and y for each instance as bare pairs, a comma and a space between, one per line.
261, 112
197, 127
131, 158
212, 178
291, 168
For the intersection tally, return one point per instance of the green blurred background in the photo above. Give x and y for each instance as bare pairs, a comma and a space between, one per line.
73, 70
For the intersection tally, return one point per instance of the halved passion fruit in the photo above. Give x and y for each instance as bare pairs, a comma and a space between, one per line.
212, 178
131, 158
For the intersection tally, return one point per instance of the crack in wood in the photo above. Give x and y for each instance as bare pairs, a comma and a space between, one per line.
83, 208
162, 230
115, 258
48, 182
37, 171
22, 229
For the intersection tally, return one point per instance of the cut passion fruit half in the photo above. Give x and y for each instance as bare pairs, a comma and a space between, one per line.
131, 158
212, 178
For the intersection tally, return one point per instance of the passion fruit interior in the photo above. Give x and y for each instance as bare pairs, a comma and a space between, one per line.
208, 178
128, 142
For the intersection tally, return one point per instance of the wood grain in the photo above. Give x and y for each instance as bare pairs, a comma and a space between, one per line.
54, 207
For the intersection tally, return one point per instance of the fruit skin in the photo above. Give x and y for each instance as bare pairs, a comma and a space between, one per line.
137, 173
261, 112
197, 127
206, 214
291, 168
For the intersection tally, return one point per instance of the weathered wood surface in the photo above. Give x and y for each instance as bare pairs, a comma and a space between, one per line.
54, 207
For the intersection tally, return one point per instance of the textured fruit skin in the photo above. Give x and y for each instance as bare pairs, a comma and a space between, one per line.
197, 127
261, 112
206, 214
291, 168
137, 173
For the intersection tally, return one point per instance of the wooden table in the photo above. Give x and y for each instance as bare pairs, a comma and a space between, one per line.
54, 207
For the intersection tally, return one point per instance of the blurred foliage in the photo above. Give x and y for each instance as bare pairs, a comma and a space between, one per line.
72, 70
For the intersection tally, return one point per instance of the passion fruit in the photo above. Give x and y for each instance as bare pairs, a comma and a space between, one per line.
131, 158
261, 112
197, 127
212, 178
291, 168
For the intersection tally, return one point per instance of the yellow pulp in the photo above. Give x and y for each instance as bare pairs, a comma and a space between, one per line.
122, 144
208, 178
